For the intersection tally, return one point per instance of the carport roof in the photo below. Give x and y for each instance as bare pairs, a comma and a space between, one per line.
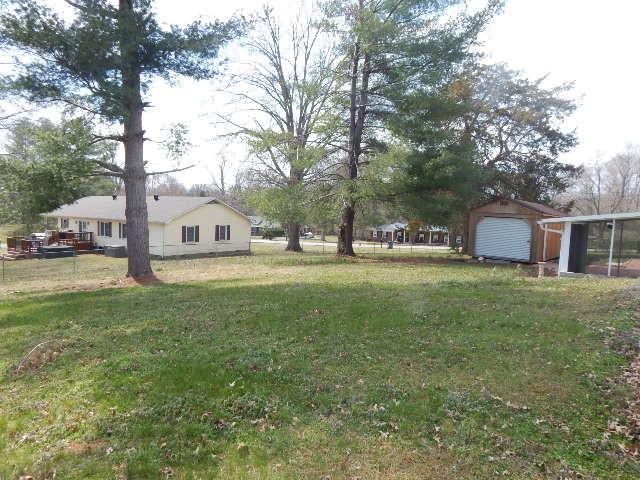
606, 217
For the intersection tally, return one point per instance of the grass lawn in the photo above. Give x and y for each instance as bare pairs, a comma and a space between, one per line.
308, 366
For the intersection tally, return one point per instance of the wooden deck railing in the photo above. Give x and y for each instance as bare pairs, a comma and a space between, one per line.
77, 240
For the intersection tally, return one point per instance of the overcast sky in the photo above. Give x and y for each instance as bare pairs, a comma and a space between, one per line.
590, 42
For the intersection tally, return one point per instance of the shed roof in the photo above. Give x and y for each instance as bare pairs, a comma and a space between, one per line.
606, 217
538, 207
163, 210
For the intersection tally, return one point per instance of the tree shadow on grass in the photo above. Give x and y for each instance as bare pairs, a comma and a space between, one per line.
197, 376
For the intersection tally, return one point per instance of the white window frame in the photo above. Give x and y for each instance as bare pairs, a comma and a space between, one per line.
83, 225
192, 229
227, 233
122, 230
102, 229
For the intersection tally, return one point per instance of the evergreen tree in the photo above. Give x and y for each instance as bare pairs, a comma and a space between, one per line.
102, 62
396, 50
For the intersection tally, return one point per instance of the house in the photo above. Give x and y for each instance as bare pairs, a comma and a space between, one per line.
401, 233
177, 225
260, 224
507, 229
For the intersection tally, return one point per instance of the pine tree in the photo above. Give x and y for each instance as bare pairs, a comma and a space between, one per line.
102, 62
393, 48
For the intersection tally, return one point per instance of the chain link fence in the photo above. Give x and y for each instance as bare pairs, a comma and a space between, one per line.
95, 268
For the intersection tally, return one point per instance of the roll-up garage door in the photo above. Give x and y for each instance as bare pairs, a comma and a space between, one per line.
504, 238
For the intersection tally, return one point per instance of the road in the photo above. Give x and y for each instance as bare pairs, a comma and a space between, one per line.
356, 243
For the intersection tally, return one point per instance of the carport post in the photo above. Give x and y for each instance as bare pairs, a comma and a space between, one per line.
613, 234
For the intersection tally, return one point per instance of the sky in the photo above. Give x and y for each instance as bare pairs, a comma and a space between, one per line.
589, 42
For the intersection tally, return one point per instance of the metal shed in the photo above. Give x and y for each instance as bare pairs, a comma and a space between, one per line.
576, 243
506, 229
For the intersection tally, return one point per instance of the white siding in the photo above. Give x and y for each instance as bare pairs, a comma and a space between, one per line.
207, 217
165, 240
504, 238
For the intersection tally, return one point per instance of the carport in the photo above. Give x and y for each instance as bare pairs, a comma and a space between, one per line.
597, 244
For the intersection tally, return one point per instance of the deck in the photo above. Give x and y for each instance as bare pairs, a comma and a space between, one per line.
19, 248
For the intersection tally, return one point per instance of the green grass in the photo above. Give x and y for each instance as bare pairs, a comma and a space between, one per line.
311, 366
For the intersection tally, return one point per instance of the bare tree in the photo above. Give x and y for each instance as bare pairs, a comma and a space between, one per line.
166, 185
610, 186
221, 175
287, 90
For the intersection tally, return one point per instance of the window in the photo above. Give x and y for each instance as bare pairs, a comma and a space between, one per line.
104, 229
190, 234
223, 232
64, 223
83, 226
122, 230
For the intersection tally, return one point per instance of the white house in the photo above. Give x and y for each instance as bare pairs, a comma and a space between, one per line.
177, 225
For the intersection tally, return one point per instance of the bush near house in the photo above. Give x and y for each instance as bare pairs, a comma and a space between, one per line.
282, 366
271, 233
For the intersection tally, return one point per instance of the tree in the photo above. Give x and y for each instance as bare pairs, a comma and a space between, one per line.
288, 89
517, 126
166, 184
45, 165
610, 186
102, 62
389, 45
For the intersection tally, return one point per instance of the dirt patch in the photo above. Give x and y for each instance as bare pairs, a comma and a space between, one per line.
628, 344
40, 355
43, 354
151, 279
83, 448
422, 260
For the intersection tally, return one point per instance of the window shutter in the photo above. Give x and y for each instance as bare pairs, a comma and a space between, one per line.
217, 232
228, 232
197, 234
109, 224
119, 230
184, 234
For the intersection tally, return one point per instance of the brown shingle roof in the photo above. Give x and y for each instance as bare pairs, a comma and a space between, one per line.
540, 207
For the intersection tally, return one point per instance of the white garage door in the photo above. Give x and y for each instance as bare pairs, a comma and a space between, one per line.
506, 238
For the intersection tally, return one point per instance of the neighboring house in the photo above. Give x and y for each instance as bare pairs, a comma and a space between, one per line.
177, 225
400, 232
259, 225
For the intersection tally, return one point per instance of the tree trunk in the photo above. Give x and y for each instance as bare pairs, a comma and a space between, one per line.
293, 240
358, 104
345, 232
139, 262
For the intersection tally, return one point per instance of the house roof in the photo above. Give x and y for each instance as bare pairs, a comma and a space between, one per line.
258, 221
593, 218
391, 227
163, 210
